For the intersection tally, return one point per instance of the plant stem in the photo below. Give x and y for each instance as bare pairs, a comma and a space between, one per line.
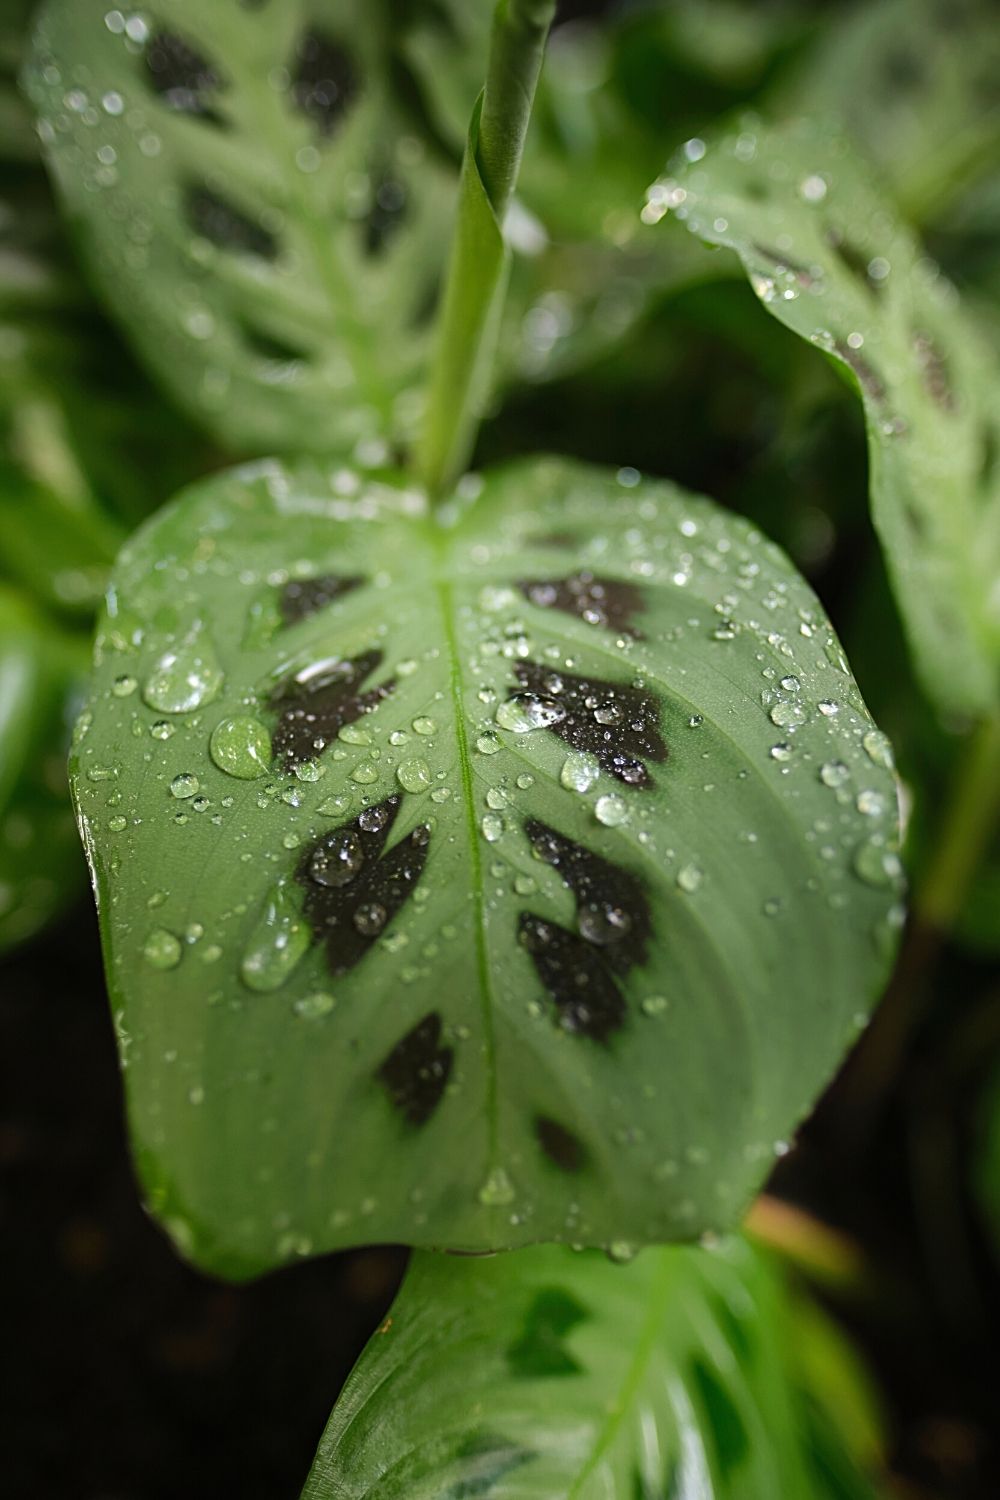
520, 29
476, 278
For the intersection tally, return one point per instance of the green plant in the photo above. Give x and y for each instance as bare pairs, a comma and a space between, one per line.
487, 860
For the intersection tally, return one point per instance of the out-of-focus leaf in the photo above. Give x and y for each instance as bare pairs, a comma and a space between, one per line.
914, 82
254, 205
39, 865
827, 256
553, 1373
544, 860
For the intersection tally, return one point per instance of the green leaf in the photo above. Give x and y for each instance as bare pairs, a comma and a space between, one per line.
39, 862
827, 256
558, 1373
254, 206
391, 963
914, 84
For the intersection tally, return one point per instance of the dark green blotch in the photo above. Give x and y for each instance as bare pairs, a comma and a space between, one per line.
486, 1460
540, 1351
731, 1440
561, 1146
181, 76
302, 597
415, 1073
227, 227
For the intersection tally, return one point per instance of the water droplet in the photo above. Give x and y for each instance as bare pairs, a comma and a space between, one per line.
689, 878
876, 864
813, 188
497, 1190
118, 824
878, 749
279, 940
162, 949
493, 827
186, 677
414, 775
354, 734
124, 686
370, 918
781, 752
365, 773
871, 803
788, 715
487, 744
525, 711
424, 725
603, 924
828, 708
654, 1005
338, 859
525, 780
580, 772
833, 773
621, 1252
241, 747
611, 810
184, 785
162, 729
312, 1007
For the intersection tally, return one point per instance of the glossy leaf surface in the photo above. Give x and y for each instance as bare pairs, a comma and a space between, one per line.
827, 256
557, 1375
520, 872
254, 204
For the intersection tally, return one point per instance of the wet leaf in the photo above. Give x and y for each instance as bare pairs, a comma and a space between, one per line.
553, 1372
39, 864
517, 872
254, 205
827, 256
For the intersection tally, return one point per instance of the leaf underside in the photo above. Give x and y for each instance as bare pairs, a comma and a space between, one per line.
553, 1373
517, 874
827, 256
254, 204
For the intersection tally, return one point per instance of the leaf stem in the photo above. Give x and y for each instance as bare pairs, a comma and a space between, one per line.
968, 825
477, 270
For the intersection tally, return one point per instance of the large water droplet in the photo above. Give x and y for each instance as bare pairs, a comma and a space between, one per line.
277, 943
611, 810
183, 786
526, 711
414, 775
186, 677
579, 772
338, 859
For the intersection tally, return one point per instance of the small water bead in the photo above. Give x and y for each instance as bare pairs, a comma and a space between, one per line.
498, 1190
496, 798
580, 772
790, 684
689, 878
201, 804
828, 708
696, 721
162, 729
654, 1005
312, 1007
525, 712
241, 746
102, 773
399, 737
123, 687
525, 885
525, 780
611, 810
277, 943
787, 715
335, 806
370, 918
487, 744
876, 864
603, 924
878, 749
781, 752
621, 1252
186, 677
441, 794
492, 827
414, 775
871, 803
364, 773
309, 770
184, 785
336, 862
118, 824
162, 949
373, 819
425, 726
354, 734
833, 773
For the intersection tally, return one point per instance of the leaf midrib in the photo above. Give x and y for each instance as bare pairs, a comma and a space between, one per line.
443, 588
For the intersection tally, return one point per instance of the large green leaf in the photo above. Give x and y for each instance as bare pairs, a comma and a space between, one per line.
520, 873
557, 1375
254, 205
827, 256
39, 865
